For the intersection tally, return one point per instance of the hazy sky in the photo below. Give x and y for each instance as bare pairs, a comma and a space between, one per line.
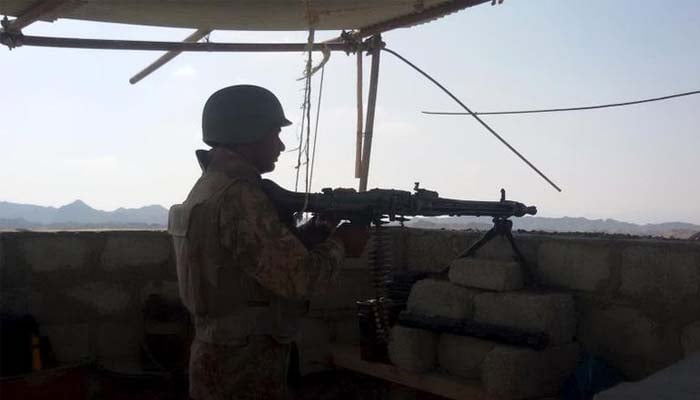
71, 126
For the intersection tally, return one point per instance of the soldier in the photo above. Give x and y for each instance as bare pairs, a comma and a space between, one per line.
243, 274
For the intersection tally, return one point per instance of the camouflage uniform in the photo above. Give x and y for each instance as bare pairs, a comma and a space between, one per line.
243, 275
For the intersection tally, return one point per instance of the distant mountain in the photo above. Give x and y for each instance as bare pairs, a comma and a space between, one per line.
79, 215
679, 230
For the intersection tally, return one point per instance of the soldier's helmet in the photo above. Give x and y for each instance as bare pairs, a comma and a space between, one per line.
241, 114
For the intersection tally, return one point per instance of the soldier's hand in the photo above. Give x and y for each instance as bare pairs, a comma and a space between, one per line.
354, 238
328, 221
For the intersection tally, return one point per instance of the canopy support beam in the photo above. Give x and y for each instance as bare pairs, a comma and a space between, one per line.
12, 40
375, 44
198, 35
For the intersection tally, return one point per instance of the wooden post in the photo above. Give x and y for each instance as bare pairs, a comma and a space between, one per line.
165, 58
360, 107
376, 49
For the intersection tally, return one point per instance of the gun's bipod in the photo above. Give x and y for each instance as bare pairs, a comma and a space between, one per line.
501, 227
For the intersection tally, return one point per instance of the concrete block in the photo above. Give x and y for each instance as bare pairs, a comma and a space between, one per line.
690, 338
55, 252
413, 349
119, 340
496, 249
14, 271
663, 273
578, 266
486, 274
432, 250
551, 313
432, 297
629, 340
462, 355
136, 249
519, 373
105, 298
313, 342
70, 342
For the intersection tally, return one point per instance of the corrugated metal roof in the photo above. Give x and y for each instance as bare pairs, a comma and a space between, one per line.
268, 15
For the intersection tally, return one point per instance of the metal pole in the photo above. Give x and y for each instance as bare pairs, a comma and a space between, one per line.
358, 139
376, 49
193, 38
16, 40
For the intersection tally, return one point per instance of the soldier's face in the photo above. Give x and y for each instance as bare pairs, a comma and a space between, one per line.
268, 151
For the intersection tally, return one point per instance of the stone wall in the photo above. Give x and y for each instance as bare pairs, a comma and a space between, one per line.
86, 289
638, 301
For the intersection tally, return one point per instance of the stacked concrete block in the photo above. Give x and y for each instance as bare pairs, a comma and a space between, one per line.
413, 349
463, 356
436, 298
551, 313
490, 291
486, 274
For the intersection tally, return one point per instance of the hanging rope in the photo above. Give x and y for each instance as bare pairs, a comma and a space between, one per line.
305, 131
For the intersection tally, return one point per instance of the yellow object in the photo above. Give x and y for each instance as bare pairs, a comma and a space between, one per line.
36, 353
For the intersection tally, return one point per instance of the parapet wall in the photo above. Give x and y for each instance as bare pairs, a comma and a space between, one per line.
86, 289
638, 300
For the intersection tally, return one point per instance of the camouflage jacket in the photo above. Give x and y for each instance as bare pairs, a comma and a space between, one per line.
241, 271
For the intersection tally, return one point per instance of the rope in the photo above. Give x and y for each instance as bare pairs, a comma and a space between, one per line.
484, 124
300, 148
551, 110
306, 115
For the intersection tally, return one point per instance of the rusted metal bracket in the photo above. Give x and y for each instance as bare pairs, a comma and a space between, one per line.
198, 35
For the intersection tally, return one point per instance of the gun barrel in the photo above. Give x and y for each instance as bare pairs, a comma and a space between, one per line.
505, 208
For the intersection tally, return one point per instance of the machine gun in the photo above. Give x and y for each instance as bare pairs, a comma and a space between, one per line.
379, 205
376, 206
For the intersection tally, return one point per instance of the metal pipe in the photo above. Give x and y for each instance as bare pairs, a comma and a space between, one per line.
376, 49
358, 138
165, 58
15, 40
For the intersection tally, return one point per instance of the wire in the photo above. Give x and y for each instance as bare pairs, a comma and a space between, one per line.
484, 124
551, 110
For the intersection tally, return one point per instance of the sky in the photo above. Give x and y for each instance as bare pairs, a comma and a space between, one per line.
72, 127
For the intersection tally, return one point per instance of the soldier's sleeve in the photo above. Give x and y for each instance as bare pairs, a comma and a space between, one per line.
268, 251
